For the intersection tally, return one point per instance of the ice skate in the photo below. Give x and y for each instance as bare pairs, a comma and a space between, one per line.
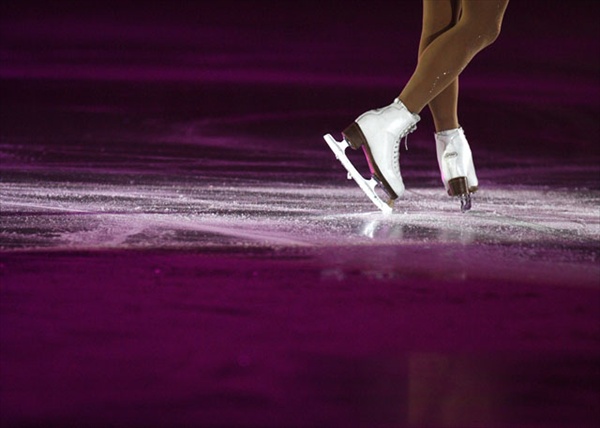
379, 132
456, 165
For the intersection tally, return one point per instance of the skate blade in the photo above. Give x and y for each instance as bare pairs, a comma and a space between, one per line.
465, 202
367, 186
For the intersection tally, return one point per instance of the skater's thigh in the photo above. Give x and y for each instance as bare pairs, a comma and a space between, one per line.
438, 17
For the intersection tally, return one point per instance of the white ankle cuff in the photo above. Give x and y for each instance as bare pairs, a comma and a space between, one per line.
398, 101
448, 132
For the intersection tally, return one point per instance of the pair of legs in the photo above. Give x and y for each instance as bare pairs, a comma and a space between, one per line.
454, 31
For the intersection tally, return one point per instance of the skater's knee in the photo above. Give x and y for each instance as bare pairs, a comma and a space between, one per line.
438, 18
482, 34
482, 21
490, 34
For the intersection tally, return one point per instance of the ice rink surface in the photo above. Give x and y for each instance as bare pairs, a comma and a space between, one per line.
179, 247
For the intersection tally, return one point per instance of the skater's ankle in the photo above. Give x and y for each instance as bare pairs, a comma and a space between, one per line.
411, 107
406, 106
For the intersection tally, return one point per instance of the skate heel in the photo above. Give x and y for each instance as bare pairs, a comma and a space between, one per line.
354, 136
458, 186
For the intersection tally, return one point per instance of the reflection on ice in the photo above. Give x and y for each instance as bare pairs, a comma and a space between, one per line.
433, 389
400, 228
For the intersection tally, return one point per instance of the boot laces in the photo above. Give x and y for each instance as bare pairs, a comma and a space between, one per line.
397, 151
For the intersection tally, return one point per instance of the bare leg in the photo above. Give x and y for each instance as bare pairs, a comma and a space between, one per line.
438, 17
442, 61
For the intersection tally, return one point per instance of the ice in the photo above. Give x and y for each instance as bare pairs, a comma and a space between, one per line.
66, 217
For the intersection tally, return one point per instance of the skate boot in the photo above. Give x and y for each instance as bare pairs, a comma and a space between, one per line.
379, 133
456, 165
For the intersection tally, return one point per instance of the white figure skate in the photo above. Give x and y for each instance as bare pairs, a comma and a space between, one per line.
379, 133
456, 165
